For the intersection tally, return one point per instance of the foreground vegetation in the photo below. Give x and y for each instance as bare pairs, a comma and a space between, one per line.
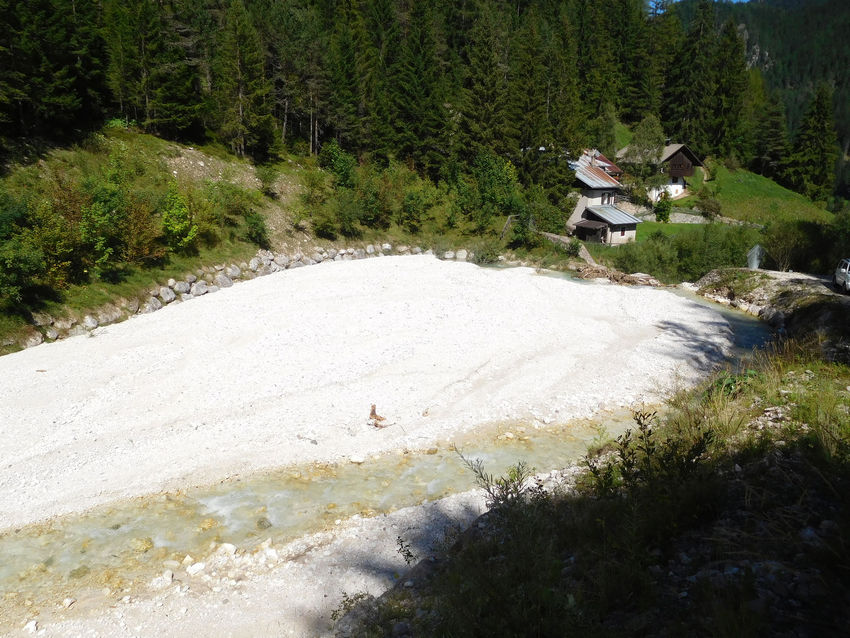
725, 516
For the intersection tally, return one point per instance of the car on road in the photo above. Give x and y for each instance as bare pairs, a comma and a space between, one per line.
841, 277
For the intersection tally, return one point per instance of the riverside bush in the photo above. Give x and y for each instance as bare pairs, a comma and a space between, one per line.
689, 254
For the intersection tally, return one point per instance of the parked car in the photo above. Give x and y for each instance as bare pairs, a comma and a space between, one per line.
841, 278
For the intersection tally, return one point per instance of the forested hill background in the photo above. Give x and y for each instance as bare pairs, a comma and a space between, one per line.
796, 44
436, 84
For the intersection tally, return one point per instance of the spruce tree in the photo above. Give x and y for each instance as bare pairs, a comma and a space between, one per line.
772, 148
529, 100
241, 86
688, 108
729, 94
812, 165
485, 125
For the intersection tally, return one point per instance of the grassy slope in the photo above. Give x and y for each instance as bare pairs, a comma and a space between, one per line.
752, 198
157, 156
709, 523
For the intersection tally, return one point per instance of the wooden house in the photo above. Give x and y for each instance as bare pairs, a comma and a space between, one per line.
677, 163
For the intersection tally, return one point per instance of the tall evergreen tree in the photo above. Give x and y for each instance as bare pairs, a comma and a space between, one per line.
529, 96
241, 86
485, 124
730, 88
812, 166
688, 111
772, 148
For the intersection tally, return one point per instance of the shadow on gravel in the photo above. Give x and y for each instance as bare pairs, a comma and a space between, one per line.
704, 353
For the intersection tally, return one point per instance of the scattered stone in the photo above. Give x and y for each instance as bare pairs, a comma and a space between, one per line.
461, 255
199, 288
171, 283
370, 249
234, 272
182, 287
449, 254
223, 281
64, 323
190, 279
213, 289
357, 460
186, 296
403, 250
316, 257
51, 333
141, 545
68, 602
228, 549
208, 277
360, 254
31, 626
416, 250
167, 294
89, 322
195, 568
219, 267
332, 253
296, 264
281, 260
263, 523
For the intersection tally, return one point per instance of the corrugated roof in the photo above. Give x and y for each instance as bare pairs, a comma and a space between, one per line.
590, 171
590, 223
613, 215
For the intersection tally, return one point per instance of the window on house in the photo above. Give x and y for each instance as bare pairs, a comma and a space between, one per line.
675, 180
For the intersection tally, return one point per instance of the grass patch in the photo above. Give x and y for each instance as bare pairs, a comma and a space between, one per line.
647, 229
752, 198
623, 136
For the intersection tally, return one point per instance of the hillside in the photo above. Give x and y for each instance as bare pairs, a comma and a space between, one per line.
752, 198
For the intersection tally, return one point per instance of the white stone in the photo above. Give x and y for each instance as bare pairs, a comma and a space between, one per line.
167, 294
386, 247
461, 255
89, 322
68, 602
195, 568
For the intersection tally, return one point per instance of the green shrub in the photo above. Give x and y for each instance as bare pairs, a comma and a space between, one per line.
486, 250
177, 226
663, 208
267, 174
338, 162
255, 229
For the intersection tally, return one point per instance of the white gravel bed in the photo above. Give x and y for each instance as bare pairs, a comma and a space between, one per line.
283, 369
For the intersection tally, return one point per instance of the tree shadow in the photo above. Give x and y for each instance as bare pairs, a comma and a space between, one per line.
702, 351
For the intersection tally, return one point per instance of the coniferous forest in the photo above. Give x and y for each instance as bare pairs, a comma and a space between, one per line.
432, 84
469, 107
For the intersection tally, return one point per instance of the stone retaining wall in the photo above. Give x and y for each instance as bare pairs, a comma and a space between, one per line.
207, 280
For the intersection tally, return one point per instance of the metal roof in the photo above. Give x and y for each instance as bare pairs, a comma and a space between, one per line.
591, 171
613, 215
590, 223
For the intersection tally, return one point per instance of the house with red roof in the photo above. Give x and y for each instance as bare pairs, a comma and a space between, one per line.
596, 216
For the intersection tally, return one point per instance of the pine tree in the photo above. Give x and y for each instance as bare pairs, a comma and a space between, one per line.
529, 95
688, 110
241, 86
772, 148
485, 125
418, 94
730, 88
812, 165
344, 83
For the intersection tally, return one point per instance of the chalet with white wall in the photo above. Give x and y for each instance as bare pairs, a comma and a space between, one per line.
596, 216
677, 163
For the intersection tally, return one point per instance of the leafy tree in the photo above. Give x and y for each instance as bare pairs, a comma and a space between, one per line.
663, 208
179, 229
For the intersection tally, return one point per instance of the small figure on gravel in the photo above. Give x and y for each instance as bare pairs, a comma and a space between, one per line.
375, 419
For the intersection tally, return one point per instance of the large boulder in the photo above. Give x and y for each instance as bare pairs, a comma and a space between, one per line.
181, 287
167, 294
152, 305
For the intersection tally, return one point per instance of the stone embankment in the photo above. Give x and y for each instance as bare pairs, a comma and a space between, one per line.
205, 280
797, 305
